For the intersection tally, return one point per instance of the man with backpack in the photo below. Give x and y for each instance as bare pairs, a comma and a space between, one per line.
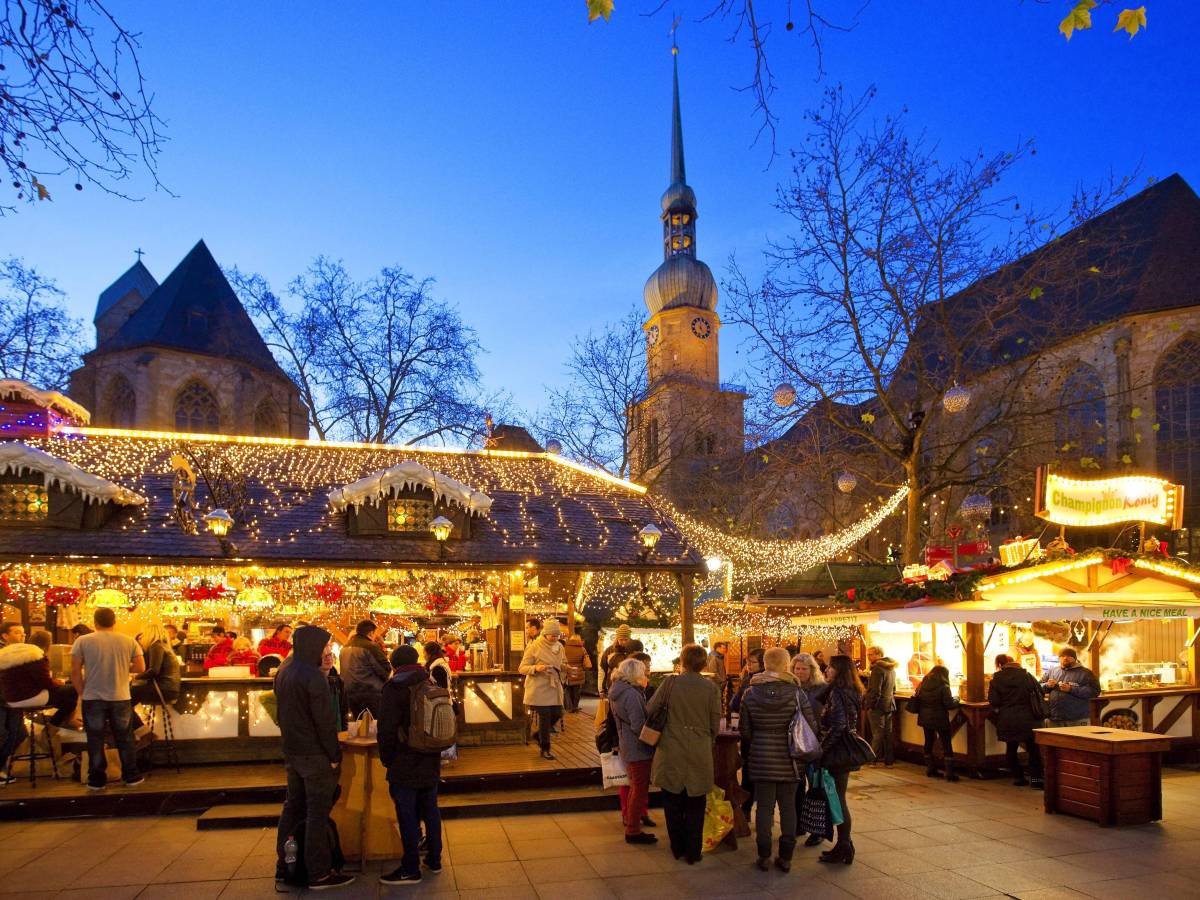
416, 723
312, 755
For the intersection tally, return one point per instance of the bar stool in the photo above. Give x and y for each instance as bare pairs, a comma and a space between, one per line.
168, 741
33, 711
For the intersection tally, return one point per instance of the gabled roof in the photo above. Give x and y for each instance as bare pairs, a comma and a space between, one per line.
195, 310
545, 509
136, 278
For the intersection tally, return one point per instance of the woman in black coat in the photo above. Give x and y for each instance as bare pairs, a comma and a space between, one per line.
1016, 699
839, 723
933, 715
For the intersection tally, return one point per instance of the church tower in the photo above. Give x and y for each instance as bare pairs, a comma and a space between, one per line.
686, 422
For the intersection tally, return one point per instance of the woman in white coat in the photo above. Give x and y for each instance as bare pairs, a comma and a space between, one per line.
542, 667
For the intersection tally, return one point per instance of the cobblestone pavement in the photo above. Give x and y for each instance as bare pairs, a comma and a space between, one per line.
916, 838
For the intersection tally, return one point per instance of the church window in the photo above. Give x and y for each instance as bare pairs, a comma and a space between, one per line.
1177, 413
266, 419
121, 403
1082, 420
196, 409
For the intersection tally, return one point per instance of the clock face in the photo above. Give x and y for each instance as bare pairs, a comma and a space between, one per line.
652, 335
701, 327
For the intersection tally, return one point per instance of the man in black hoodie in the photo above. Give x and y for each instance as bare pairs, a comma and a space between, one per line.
312, 755
412, 775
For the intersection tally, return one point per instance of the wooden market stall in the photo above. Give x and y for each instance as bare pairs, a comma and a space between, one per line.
1133, 621
242, 533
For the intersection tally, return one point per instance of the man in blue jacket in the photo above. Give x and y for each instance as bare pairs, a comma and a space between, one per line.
1069, 686
312, 755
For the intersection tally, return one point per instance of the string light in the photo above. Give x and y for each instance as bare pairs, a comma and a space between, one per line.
775, 560
1036, 572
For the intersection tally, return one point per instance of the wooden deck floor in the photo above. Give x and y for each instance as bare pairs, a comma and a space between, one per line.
575, 751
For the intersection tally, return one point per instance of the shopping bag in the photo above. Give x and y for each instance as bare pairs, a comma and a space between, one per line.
601, 715
612, 771
836, 816
364, 726
450, 754
718, 819
814, 809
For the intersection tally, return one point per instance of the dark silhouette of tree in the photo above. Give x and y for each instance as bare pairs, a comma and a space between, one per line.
380, 360
39, 342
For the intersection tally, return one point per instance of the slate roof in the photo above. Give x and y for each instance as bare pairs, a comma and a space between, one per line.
544, 510
195, 310
136, 278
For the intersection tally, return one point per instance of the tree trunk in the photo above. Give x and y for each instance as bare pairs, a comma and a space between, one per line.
912, 515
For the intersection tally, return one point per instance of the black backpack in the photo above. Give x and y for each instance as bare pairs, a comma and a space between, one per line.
607, 740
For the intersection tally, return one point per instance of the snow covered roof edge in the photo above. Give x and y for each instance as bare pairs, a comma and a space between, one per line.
52, 399
378, 485
15, 457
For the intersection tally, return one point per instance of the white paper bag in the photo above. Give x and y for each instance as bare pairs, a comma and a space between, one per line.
613, 771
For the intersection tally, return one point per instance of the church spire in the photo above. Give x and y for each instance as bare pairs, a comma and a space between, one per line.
679, 200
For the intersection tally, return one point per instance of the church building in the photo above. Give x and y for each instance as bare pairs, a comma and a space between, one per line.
687, 418
184, 356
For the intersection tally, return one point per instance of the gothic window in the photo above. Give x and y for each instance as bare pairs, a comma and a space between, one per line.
266, 420
1082, 421
196, 409
1177, 413
121, 403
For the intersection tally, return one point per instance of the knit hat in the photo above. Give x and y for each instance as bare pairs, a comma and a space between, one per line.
552, 627
624, 633
404, 655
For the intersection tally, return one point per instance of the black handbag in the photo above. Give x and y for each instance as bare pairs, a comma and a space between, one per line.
1037, 701
913, 704
848, 750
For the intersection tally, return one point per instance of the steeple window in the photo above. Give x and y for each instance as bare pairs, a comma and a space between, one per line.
680, 228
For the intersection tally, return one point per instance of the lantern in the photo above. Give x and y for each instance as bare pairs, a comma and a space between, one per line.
219, 522
847, 482
441, 528
389, 605
977, 507
554, 445
110, 598
956, 399
254, 598
649, 536
784, 396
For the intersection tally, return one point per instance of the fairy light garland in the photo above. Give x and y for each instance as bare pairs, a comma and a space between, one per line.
757, 560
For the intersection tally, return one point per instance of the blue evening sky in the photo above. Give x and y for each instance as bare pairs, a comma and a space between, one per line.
516, 153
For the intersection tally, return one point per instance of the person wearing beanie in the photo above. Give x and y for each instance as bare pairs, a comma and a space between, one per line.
542, 666
615, 654
412, 775
1068, 688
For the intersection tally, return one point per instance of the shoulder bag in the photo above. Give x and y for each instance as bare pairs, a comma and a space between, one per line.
848, 750
1037, 700
652, 731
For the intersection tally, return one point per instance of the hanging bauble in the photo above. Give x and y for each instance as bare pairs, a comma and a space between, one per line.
784, 396
554, 445
956, 399
976, 506
847, 482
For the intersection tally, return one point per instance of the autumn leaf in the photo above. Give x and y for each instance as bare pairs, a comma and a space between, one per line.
1127, 459
1094, 270
42, 193
868, 418
1079, 17
1131, 20
1036, 292
598, 8
1135, 413
1155, 427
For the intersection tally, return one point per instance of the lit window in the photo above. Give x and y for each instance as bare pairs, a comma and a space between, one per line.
23, 503
409, 515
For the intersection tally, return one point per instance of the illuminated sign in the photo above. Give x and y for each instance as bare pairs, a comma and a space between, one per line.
1108, 501
1148, 612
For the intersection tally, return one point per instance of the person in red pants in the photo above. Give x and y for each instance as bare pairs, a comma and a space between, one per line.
627, 700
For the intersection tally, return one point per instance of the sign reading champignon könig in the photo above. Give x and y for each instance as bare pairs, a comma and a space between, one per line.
1108, 501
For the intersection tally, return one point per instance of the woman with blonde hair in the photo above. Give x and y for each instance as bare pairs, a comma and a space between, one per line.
160, 681
806, 669
243, 654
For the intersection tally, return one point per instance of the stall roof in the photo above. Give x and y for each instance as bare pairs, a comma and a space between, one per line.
546, 510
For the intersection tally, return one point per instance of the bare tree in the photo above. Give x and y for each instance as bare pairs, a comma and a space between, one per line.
380, 360
876, 305
606, 376
73, 101
39, 342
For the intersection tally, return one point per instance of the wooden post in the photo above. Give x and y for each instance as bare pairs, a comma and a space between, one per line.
573, 600
514, 621
974, 656
687, 599
1093, 648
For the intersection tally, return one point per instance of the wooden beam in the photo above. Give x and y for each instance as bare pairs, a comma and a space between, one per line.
687, 600
1058, 581
1120, 583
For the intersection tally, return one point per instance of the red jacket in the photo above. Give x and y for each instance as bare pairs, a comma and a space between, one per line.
274, 646
24, 672
457, 661
219, 654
